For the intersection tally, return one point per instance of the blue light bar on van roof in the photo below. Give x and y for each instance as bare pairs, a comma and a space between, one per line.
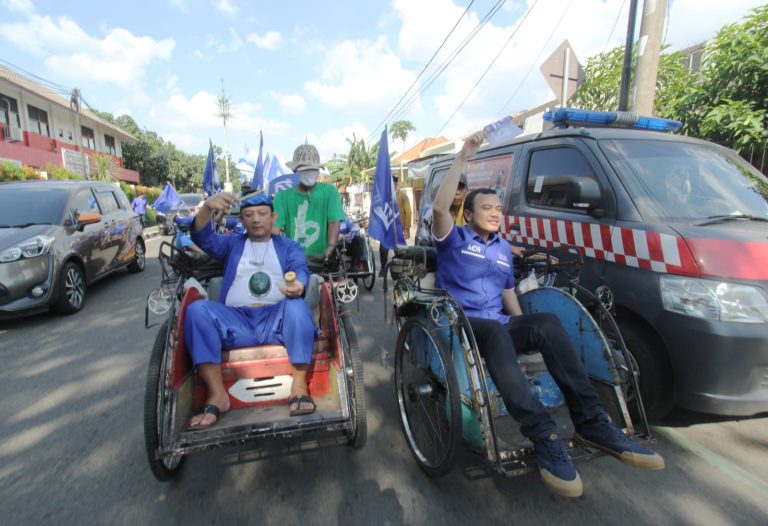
618, 119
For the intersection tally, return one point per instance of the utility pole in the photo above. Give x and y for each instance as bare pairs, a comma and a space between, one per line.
224, 114
626, 69
648, 51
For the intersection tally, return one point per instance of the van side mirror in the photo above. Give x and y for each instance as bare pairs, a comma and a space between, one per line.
86, 218
586, 195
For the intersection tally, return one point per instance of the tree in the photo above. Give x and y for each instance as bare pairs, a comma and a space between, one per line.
602, 81
727, 102
400, 130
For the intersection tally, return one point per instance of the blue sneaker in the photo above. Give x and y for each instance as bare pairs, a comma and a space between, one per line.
556, 468
602, 434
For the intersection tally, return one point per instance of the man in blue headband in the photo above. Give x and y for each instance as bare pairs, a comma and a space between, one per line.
255, 307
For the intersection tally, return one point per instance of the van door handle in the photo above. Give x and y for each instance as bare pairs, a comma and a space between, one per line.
515, 227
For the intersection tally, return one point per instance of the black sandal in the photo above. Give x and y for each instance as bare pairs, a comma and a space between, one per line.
209, 409
298, 400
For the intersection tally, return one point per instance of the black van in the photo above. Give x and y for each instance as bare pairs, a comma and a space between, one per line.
673, 230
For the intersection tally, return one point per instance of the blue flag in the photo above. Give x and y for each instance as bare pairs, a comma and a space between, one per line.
384, 220
257, 183
167, 200
211, 183
284, 182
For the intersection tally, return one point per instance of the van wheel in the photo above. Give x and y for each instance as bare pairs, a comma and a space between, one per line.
656, 386
71, 289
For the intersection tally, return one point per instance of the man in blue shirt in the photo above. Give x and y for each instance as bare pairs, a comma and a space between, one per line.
139, 206
256, 305
475, 266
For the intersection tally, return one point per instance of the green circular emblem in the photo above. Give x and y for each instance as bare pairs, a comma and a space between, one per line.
259, 284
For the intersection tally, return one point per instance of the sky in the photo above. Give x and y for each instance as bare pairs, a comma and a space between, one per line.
318, 71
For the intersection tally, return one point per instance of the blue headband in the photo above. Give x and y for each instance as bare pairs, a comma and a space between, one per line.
257, 199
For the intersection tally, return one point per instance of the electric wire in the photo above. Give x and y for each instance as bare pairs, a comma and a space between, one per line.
413, 98
47, 83
536, 60
503, 47
423, 69
615, 23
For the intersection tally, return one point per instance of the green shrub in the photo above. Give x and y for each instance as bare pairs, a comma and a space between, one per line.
11, 172
59, 173
151, 219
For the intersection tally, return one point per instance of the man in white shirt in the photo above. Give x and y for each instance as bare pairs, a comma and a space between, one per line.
256, 305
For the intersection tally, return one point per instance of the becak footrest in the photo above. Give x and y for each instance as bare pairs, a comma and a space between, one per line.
413, 261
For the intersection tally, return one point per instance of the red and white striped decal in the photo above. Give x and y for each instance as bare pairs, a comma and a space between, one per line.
644, 249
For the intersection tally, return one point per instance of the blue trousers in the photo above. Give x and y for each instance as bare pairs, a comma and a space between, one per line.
210, 326
497, 344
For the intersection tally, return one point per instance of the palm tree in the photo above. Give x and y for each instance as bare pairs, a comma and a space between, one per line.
104, 166
400, 130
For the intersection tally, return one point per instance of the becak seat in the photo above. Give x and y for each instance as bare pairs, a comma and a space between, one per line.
258, 375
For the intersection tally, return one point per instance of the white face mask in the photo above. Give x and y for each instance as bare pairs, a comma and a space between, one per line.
309, 176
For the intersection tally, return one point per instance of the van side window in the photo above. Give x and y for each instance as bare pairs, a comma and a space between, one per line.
108, 202
561, 178
85, 201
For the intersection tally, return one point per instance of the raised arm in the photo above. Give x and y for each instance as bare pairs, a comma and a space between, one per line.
442, 221
222, 201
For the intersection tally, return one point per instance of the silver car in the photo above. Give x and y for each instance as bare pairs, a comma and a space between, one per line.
57, 237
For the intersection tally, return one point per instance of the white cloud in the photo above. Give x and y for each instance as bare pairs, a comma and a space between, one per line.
181, 5
710, 15
587, 25
225, 6
360, 74
334, 141
201, 112
270, 40
120, 57
21, 6
234, 44
293, 104
188, 142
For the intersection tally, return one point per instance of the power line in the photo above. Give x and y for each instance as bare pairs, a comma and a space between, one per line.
424, 69
618, 16
49, 84
503, 47
414, 97
536, 60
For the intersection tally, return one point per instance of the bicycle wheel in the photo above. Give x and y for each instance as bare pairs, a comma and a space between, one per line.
370, 279
428, 397
163, 467
355, 383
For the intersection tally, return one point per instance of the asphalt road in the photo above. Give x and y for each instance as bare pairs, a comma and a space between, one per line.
72, 450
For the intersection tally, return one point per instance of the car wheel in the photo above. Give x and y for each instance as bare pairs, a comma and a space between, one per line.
138, 264
71, 289
656, 383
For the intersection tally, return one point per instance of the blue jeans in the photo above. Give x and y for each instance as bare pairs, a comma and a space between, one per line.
210, 326
498, 345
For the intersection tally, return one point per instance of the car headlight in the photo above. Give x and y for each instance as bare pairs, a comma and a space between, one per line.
29, 248
714, 300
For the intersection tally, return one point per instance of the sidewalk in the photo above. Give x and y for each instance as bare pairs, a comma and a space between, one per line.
152, 231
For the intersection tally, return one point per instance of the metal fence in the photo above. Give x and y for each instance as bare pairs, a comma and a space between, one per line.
757, 156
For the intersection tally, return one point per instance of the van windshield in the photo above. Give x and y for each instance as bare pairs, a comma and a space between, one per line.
680, 181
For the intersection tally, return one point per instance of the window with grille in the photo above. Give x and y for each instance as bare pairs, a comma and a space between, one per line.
38, 120
89, 139
109, 144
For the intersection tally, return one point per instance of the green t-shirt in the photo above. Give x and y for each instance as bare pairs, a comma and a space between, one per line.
305, 217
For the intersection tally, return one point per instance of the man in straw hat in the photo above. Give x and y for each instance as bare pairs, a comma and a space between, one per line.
310, 212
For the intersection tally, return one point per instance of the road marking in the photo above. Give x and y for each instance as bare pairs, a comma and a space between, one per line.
718, 461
